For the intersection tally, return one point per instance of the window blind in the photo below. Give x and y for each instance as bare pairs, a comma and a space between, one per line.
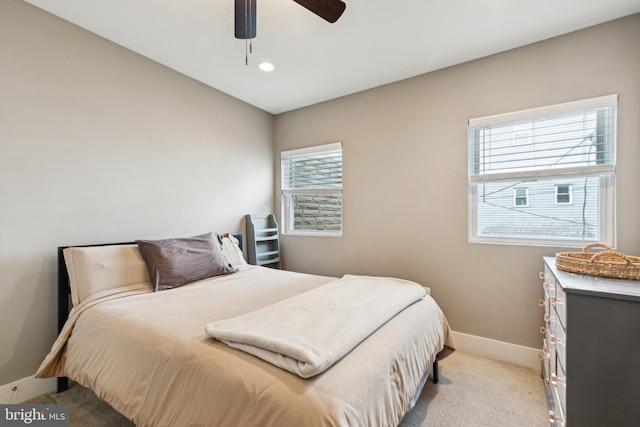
568, 139
319, 168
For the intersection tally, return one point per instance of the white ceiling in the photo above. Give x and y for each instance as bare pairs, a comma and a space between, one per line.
374, 42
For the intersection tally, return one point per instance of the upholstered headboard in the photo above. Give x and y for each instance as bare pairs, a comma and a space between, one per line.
65, 296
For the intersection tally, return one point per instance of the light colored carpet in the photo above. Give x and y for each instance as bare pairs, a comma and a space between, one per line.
473, 392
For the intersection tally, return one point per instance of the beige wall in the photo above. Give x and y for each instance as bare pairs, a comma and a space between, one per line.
98, 144
405, 174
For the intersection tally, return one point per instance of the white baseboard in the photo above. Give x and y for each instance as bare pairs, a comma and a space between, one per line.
25, 389
498, 350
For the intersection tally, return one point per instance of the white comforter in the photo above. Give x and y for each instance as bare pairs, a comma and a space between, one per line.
309, 332
148, 356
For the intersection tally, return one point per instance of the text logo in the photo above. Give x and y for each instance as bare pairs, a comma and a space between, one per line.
34, 415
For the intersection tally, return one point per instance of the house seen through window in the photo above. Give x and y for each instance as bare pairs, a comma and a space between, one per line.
558, 162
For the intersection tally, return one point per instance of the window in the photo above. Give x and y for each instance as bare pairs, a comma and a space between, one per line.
521, 197
564, 194
558, 161
312, 190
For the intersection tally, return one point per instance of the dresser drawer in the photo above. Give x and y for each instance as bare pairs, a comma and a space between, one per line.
561, 385
549, 290
548, 281
558, 413
559, 340
548, 360
559, 302
549, 313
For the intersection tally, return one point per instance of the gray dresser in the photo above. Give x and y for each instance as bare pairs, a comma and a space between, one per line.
591, 349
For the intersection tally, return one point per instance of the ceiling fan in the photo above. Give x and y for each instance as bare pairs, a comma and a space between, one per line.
245, 14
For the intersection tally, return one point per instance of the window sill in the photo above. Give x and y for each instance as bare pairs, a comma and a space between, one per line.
536, 242
312, 233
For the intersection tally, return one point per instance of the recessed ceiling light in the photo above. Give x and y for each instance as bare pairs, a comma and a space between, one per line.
266, 66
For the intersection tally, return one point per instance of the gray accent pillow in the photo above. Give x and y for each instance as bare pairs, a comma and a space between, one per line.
175, 262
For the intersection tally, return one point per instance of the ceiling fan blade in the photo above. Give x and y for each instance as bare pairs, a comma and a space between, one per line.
329, 10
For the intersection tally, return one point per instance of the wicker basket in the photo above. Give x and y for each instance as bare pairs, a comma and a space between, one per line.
607, 263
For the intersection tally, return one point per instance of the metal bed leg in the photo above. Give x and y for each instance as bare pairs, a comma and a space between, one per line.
436, 374
63, 384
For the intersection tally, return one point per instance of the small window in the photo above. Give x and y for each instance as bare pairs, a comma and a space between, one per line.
312, 190
520, 197
557, 161
564, 194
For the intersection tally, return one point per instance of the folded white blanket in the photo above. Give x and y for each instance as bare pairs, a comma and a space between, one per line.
309, 332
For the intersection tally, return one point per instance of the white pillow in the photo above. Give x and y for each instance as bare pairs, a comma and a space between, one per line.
101, 268
232, 251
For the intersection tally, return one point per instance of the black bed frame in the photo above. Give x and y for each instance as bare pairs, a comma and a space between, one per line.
64, 293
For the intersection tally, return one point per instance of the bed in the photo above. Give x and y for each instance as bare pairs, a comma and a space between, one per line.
149, 354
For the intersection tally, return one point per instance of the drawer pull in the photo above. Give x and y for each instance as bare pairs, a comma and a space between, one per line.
555, 380
546, 286
543, 330
555, 301
546, 353
554, 339
555, 419
548, 318
542, 275
540, 303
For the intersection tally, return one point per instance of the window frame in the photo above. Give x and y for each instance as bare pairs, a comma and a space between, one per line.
605, 173
516, 197
556, 193
287, 211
